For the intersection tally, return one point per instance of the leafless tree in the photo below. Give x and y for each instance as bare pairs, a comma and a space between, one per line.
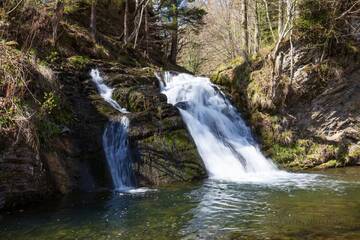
126, 14
58, 14
93, 20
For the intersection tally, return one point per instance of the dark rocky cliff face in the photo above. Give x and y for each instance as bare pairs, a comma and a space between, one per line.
62, 156
72, 159
22, 175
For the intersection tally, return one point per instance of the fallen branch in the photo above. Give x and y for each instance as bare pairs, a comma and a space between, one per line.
17, 5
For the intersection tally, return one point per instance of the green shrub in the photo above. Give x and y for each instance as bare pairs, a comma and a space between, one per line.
50, 104
53, 57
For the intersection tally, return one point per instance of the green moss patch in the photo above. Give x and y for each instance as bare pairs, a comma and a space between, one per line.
78, 62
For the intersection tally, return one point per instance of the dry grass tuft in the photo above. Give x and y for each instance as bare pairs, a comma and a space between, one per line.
15, 75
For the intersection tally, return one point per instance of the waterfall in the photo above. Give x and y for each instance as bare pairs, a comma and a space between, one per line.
117, 152
223, 140
115, 139
104, 91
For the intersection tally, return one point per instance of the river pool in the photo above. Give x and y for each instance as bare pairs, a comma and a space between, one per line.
316, 205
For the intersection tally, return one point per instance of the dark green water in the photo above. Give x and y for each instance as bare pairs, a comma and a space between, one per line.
309, 206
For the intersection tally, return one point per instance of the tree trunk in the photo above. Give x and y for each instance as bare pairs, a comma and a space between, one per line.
281, 17
139, 24
126, 14
256, 29
59, 11
146, 26
291, 9
269, 20
245, 27
174, 33
93, 20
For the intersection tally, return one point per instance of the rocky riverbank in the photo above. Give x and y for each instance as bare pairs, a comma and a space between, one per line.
309, 120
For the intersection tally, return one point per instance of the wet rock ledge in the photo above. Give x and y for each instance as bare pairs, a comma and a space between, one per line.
163, 150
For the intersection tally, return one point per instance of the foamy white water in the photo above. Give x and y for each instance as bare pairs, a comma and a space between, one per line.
222, 138
117, 152
104, 91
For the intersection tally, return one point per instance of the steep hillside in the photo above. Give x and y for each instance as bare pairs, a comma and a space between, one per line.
311, 120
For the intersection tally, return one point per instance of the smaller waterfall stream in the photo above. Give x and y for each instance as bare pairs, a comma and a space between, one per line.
116, 147
115, 139
104, 91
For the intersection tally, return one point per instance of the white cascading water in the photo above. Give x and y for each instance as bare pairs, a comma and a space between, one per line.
222, 138
115, 139
104, 91
117, 152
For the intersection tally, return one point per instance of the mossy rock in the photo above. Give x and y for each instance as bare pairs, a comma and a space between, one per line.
258, 91
79, 62
354, 154
305, 153
232, 73
223, 78
138, 101
329, 164
168, 157
286, 155
102, 51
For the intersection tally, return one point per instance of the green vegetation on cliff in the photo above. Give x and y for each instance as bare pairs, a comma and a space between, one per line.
300, 98
289, 123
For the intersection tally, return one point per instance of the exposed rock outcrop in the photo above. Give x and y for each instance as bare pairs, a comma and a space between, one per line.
309, 120
163, 150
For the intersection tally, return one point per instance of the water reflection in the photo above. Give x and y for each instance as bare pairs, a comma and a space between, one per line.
297, 204
301, 207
